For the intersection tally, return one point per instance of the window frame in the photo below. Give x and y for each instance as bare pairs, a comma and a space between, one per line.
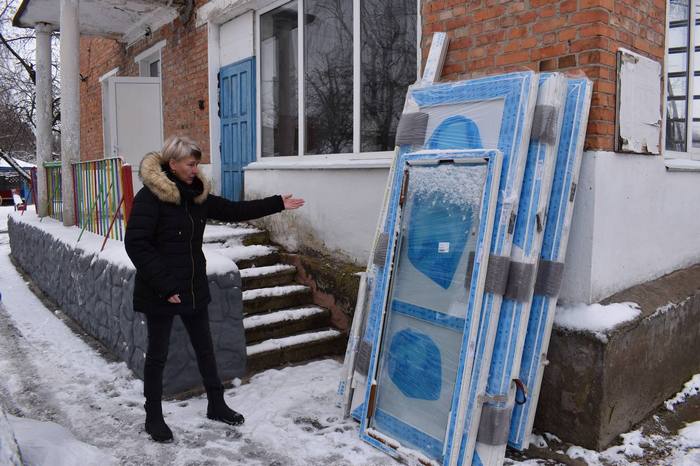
104, 92
145, 59
690, 152
356, 153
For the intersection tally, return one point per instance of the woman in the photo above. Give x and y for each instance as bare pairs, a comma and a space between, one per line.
164, 241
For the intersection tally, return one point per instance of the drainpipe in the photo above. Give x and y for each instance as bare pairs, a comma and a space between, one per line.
43, 113
70, 104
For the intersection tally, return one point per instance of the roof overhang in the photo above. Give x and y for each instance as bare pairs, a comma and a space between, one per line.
123, 20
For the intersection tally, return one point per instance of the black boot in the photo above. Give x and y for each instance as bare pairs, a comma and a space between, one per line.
217, 409
155, 424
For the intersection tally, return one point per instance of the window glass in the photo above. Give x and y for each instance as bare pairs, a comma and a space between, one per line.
678, 10
388, 67
154, 69
328, 76
278, 81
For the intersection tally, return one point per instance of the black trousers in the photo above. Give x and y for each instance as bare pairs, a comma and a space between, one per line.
159, 328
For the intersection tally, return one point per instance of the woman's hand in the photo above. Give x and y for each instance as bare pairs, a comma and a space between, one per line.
174, 299
291, 203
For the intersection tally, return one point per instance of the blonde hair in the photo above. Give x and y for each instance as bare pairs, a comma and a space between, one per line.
178, 148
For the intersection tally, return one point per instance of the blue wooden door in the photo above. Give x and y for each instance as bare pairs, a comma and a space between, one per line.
237, 112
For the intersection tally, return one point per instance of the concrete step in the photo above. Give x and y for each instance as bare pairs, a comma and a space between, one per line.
295, 348
264, 277
247, 256
284, 323
277, 297
245, 235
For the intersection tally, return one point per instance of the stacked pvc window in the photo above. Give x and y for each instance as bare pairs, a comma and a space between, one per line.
495, 112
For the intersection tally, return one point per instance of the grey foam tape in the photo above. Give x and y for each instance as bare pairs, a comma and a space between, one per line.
544, 124
497, 275
520, 278
494, 425
549, 276
412, 128
380, 250
364, 351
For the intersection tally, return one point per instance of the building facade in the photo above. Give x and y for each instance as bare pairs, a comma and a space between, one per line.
303, 96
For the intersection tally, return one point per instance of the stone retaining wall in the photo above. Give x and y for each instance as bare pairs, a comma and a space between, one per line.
97, 294
595, 389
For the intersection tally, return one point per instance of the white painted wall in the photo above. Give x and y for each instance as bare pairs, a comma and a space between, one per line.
633, 222
236, 39
341, 211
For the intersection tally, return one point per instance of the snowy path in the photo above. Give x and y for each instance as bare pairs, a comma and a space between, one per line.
50, 374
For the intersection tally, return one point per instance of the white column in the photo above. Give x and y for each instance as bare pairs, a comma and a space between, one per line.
70, 104
43, 113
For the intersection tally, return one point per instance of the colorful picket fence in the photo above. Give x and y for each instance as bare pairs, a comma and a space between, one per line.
53, 190
99, 197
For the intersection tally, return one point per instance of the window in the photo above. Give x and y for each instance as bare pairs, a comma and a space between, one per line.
683, 76
149, 61
358, 58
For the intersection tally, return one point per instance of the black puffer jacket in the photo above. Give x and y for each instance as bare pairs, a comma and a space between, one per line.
164, 237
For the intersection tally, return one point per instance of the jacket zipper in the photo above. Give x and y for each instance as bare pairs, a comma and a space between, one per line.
191, 256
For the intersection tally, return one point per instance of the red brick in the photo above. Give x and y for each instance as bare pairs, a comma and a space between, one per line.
511, 58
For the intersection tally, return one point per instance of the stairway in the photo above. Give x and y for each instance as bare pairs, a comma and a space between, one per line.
282, 325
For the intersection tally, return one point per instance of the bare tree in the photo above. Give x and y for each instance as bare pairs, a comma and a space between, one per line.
17, 87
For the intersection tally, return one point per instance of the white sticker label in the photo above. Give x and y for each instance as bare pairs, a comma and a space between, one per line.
443, 247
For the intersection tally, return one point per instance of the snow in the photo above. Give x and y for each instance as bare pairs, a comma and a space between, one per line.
46, 443
690, 435
51, 375
238, 253
294, 340
596, 318
286, 315
9, 451
462, 185
114, 252
274, 291
21, 163
220, 233
692, 387
268, 270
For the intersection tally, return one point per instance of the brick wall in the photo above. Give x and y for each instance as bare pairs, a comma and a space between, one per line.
183, 72
493, 36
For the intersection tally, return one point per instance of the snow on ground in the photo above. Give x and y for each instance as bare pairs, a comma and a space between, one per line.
595, 318
51, 376
9, 451
49, 443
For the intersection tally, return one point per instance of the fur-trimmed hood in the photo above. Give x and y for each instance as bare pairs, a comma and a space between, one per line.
154, 178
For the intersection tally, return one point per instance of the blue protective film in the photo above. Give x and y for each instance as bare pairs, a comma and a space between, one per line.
440, 219
556, 230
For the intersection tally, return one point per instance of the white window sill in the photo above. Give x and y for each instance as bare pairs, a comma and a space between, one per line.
324, 162
682, 165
